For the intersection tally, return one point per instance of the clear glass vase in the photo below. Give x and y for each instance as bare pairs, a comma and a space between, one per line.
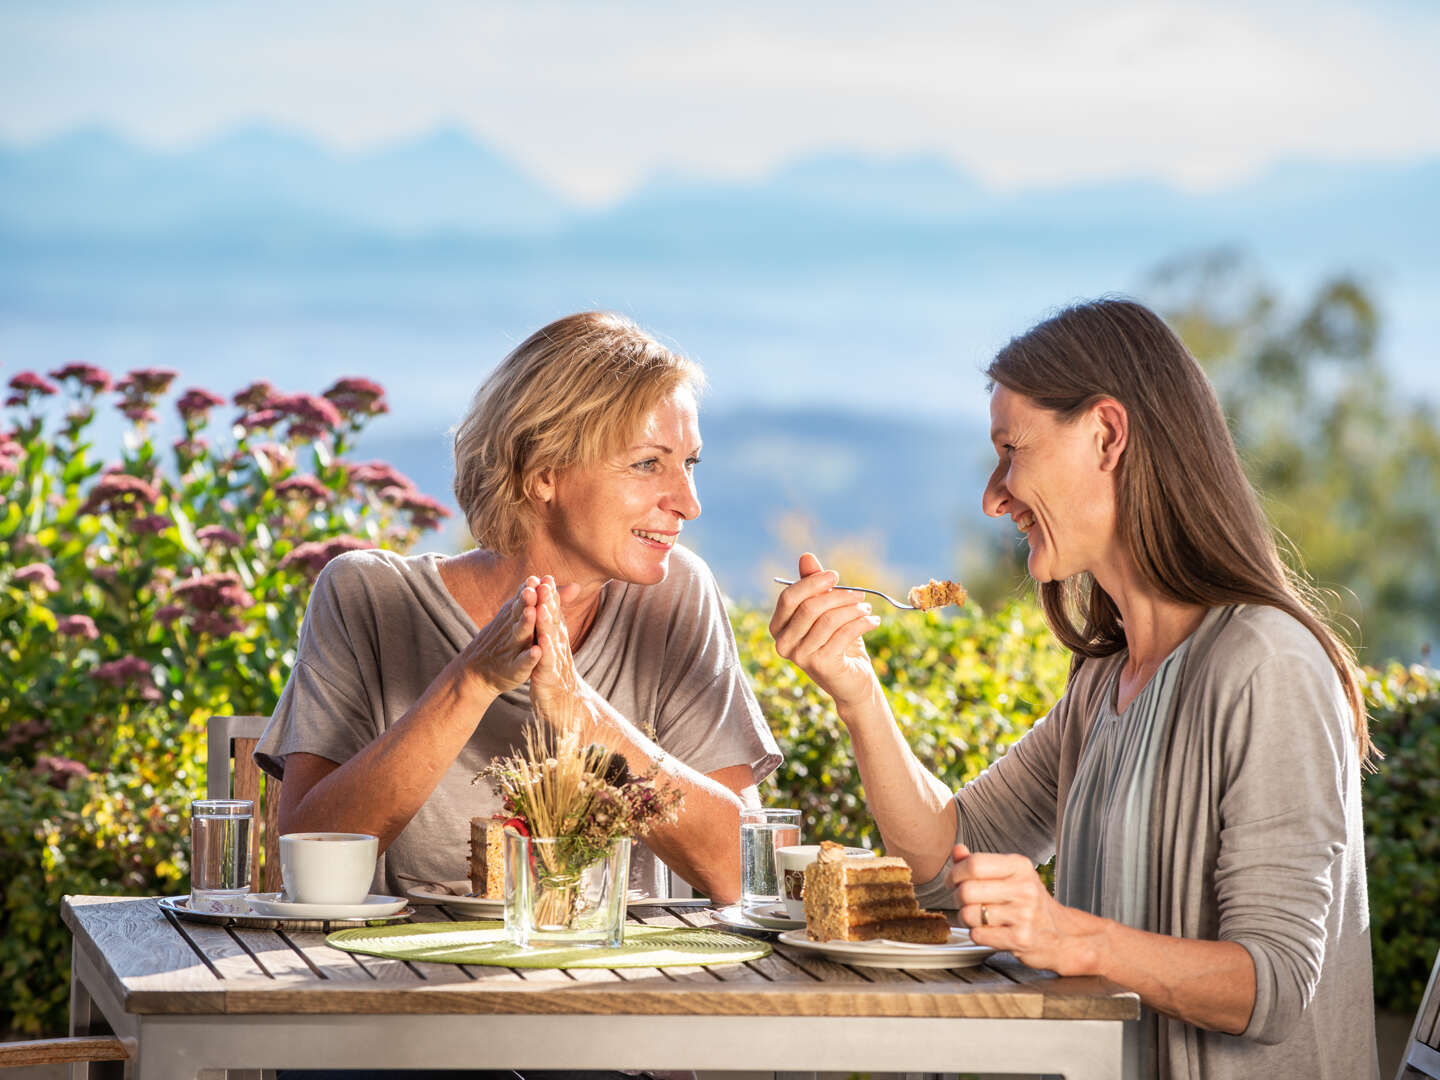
556, 894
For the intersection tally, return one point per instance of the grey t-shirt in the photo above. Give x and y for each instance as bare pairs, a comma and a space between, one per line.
380, 627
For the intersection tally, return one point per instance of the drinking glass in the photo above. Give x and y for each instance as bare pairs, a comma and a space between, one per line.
220, 854
762, 833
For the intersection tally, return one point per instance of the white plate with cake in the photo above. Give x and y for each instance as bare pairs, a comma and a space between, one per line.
959, 951
862, 910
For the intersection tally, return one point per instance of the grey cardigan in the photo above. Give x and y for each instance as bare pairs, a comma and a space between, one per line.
1256, 833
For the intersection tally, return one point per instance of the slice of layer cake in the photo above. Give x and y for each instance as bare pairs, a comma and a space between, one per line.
860, 899
487, 858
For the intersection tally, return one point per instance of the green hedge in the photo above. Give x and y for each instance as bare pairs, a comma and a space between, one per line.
1402, 833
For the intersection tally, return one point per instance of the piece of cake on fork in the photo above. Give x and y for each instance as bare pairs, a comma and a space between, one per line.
860, 899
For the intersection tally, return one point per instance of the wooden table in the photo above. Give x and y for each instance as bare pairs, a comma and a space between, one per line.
190, 996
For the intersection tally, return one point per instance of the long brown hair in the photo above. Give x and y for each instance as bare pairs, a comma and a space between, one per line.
1185, 509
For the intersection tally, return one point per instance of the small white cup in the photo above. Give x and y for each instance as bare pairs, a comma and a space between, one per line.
328, 867
792, 862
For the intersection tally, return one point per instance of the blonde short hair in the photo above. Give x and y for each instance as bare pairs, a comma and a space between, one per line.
572, 394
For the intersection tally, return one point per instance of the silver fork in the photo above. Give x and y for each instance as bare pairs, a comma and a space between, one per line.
860, 588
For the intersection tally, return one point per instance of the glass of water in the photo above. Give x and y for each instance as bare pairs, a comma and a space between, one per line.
220, 854
762, 833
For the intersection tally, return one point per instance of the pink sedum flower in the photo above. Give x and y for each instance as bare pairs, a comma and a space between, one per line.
151, 524
355, 396
260, 418
139, 412
87, 375
309, 411
59, 771
38, 574
425, 512
28, 382
219, 536
167, 614
213, 592
195, 404
258, 395
308, 487
379, 475
311, 557
147, 382
129, 671
81, 626
120, 491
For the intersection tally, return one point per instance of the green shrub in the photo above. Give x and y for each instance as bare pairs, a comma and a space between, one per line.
137, 599
1402, 833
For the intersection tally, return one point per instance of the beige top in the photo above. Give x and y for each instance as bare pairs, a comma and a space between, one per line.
1255, 836
380, 627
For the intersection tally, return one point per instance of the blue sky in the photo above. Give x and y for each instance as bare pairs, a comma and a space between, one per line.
594, 98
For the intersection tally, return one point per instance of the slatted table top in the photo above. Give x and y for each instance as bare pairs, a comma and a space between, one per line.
159, 964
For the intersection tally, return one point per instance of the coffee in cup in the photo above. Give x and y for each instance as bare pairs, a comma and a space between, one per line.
328, 867
792, 862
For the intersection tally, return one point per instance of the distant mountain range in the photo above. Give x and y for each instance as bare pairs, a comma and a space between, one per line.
260, 187
92, 181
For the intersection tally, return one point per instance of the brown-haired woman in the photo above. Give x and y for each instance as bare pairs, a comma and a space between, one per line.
1199, 780
575, 471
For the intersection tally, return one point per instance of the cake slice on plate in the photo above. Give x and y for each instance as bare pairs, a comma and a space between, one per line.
860, 899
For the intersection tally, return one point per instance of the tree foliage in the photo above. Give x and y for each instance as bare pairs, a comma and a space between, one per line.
1348, 470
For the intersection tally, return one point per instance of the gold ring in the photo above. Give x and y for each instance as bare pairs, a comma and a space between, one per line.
984, 915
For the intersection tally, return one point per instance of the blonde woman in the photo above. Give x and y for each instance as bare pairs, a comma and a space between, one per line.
575, 469
1199, 781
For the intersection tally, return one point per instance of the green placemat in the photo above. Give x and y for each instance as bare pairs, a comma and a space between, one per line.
485, 943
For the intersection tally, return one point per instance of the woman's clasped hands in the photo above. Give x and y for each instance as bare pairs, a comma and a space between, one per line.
527, 641
1006, 906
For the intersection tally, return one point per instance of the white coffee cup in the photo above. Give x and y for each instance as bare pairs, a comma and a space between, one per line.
792, 862
328, 867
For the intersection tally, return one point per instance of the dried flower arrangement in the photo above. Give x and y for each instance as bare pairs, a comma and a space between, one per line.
585, 797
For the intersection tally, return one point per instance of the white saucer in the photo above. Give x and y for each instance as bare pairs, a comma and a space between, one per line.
270, 903
771, 916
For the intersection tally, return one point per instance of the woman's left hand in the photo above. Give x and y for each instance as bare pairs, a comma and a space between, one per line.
554, 684
1006, 906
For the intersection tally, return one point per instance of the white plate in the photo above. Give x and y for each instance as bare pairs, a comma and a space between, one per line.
959, 952
179, 906
269, 903
495, 909
771, 916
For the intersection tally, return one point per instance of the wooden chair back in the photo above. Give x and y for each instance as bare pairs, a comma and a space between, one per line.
233, 774
1422, 1052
